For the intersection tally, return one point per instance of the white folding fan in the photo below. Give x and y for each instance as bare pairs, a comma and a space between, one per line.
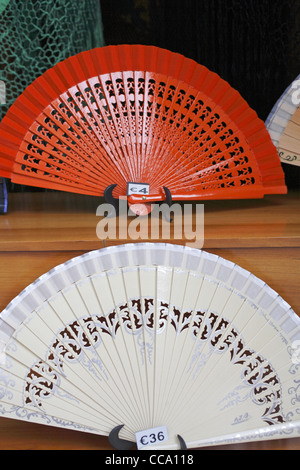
137, 337
141, 123
283, 124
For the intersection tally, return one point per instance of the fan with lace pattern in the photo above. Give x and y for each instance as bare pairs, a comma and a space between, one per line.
138, 122
283, 124
137, 337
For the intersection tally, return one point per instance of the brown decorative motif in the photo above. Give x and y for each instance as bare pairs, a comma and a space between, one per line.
256, 372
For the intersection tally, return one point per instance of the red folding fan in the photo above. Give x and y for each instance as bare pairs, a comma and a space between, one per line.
138, 122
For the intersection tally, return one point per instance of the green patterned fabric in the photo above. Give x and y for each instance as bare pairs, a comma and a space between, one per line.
3, 4
35, 35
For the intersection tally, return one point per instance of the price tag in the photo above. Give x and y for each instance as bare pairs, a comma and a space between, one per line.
137, 188
151, 437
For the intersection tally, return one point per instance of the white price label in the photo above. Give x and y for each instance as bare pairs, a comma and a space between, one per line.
137, 188
151, 437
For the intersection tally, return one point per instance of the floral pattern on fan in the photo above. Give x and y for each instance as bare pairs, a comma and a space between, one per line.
257, 375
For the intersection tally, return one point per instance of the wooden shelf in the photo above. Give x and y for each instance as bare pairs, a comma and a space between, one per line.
62, 221
44, 229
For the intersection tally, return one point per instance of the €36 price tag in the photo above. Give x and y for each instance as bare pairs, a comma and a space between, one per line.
151, 437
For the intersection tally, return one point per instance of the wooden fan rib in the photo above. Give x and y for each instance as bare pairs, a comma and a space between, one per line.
128, 351
39, 158
250, 435
71, 419
126, 361
127, 123
84, 139
199, 326
84, 416
59, 114
222, 369
181, 349
103, 124
209, 157
43, 148
16, 139
30, 171
158, 126
22, 357
164, 62
210, 193
214, 107
140, 319
255, 133
289, 142
217, 172
91, 148
51, 182
113, 352
203, 179
281, 113
69, 71
273, 404
79, 144
137, 88
6, 171
163, 298
43, 168
148, 126
11, 133
87, 335
116, 114
183, 119
53, 158
131, 85
81, 377
152, 106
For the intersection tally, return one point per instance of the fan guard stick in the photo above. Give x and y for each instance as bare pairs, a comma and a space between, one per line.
123, 444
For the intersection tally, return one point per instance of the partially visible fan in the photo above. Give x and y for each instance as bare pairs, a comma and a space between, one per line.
283, 124
152, 336
2, 91
3, 196
138, 122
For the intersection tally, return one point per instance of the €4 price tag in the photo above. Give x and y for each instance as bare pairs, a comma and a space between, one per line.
151, 437
137, 188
